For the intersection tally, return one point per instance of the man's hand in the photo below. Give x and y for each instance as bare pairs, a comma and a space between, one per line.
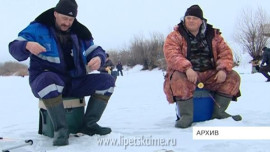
108, 68
35, 48
94, 63
220, 76
192, 76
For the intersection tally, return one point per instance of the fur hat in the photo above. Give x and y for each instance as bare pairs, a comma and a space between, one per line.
194, 10
67, 7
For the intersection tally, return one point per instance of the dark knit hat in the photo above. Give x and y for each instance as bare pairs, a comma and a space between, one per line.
67, 7
194, 10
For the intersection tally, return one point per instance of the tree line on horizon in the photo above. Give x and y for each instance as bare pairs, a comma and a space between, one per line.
13, 68
142, 51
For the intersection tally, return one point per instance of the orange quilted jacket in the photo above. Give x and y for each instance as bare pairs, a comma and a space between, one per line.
175, 52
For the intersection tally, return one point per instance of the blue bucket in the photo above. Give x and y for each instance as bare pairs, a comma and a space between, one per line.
203, 105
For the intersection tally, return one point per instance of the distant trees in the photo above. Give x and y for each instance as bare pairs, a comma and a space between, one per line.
146, 52
13, 68
250, 32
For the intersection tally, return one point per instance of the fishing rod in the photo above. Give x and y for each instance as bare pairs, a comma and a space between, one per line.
27, 142
200, 85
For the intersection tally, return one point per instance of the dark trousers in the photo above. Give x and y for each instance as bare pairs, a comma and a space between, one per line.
264, 70
120, 72
50, 85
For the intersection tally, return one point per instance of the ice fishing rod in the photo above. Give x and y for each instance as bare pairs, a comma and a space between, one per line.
9, 139
27, 142
200, 85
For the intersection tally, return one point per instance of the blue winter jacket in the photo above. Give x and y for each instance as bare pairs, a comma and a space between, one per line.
42, 31
266, 57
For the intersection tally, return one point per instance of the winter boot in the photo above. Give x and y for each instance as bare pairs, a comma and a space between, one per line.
186, 113
56, 112
221, 105
96, 105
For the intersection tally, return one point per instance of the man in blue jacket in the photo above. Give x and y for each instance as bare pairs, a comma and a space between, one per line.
59, 48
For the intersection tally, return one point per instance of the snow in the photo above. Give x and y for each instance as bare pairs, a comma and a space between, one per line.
137, 110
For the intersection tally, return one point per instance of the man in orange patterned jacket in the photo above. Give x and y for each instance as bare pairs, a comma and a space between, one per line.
196, 52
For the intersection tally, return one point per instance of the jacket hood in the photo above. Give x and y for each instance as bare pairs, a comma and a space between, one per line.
47, 18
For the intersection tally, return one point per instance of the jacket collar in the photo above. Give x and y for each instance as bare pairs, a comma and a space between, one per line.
47, 18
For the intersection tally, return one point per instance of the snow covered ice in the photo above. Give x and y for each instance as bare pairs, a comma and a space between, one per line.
138, 110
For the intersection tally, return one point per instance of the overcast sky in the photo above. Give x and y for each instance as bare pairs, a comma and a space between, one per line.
114, 23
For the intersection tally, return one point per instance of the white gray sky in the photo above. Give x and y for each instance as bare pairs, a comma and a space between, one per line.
115, 23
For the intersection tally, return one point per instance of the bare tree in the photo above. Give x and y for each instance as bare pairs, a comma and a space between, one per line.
236, 58
139, 52
146, 52
155, 50
13, 68
250, 32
